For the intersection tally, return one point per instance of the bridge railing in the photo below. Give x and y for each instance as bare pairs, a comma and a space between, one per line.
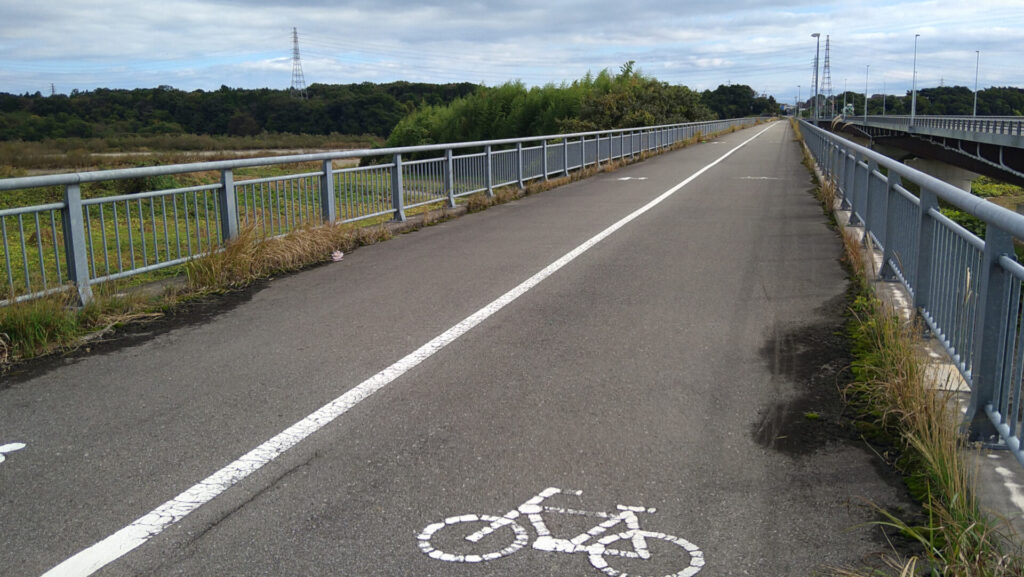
969, 290
997, 125
82, 234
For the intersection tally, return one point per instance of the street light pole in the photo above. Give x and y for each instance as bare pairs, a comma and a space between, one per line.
798, 101
844, 98
817, 51
977, 62
913, 89
866, 70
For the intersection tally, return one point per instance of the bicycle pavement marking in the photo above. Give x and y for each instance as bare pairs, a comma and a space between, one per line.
119, 544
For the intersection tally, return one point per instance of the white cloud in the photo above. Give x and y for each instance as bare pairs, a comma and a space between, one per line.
763, 43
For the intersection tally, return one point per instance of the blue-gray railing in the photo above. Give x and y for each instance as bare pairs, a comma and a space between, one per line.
967, 289
84, 239
1002, 130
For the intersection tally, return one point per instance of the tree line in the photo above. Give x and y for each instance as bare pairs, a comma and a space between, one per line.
607, 100
940, 101
364, 108
405, 113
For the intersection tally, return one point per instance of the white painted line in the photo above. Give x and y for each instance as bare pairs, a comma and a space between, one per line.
90, 560
1016, 495
10, 448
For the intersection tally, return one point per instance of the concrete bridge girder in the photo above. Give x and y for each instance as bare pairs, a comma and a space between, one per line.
993, 160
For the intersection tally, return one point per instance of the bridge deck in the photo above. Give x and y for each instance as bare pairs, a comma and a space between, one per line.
680, 363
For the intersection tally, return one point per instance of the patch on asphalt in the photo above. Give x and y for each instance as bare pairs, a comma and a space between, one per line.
809, 366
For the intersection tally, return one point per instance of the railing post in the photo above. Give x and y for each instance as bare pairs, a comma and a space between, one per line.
869, 186
519, 165
565, 157
228, 206
583, 153
886, 272
449, 176
544, 151
844, 180
854, 193
327, 208
75, 248
829, 151
925, 248
397, 189
990, 326
597, 151
490, 171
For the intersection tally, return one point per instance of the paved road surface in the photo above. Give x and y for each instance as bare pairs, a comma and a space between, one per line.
668, 366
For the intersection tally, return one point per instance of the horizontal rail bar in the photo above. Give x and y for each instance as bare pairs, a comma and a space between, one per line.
119, 174
147, 195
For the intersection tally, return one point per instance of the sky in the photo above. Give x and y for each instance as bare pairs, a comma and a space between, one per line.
65, 45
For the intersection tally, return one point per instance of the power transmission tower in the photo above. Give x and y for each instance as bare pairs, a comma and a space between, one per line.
826, 83
298, 79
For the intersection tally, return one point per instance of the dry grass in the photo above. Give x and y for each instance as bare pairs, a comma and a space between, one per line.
891, 391
828, 195
248, 257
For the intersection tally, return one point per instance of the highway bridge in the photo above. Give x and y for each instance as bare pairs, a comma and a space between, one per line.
989, 145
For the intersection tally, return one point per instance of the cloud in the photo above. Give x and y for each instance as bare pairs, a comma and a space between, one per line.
247, 43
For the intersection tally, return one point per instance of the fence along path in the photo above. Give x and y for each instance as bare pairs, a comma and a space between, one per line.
83, 237
967, 289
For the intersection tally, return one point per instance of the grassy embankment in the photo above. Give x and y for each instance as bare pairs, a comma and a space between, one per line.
45, 325
916, 424
64, 154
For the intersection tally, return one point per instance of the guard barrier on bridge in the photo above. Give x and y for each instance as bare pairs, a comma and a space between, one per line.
967, 289
946, 125
82, 239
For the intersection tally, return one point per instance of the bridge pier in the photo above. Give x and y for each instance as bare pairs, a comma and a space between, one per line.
955, 175
958, 177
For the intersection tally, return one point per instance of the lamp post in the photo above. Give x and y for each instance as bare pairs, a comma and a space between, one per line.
977, 62
798, 101
844, 98
883, 97
866, 70
913, 86
817, 51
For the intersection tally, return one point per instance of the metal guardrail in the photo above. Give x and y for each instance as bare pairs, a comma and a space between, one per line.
1010, 125
1003, 130
82, 241
967, 289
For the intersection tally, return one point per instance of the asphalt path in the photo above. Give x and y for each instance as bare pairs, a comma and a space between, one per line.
675, 365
